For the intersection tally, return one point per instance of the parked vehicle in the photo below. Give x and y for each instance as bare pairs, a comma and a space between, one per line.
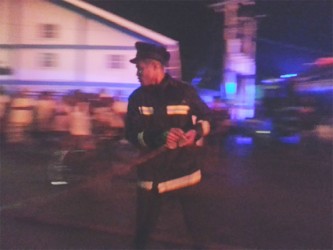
299, 103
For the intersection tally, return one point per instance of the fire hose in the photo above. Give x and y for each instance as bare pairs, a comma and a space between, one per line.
107, 175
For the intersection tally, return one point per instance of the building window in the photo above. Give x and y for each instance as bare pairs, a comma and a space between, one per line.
115, 61
49, 30
48, 60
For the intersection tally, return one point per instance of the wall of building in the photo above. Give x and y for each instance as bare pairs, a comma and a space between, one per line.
47, 44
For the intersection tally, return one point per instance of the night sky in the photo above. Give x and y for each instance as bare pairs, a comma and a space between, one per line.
293, 32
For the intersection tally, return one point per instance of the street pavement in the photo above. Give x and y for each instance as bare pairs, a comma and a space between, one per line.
256, 194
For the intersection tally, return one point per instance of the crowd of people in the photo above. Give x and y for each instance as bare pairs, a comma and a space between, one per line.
76, 118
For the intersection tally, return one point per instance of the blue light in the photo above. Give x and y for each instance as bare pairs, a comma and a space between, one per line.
295, 139
231, 88
196, 80
241, 140
288, 75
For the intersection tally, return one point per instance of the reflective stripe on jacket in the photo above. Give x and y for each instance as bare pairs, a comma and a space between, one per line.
170, 185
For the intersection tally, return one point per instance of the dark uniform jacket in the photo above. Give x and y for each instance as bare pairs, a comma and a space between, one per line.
152, 111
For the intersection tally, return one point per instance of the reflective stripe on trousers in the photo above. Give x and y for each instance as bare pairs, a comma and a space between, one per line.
174, 184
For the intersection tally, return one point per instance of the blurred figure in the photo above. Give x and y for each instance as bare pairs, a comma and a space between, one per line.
72, 131
4, 102
45, 108
80, 124
20, 117
119, 106
101, 114
61, 119
116, 120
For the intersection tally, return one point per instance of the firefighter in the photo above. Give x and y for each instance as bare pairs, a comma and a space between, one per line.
21, 116
165, 112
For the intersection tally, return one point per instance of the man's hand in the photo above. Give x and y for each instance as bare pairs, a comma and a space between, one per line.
173, 137
178, 138
188, 139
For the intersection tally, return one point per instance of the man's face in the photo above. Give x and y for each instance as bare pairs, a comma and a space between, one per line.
146, 72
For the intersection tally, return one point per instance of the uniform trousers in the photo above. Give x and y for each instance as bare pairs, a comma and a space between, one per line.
148, 209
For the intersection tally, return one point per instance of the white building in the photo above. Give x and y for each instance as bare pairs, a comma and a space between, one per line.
70, 44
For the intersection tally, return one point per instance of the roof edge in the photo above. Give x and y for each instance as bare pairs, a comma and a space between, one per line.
153, 35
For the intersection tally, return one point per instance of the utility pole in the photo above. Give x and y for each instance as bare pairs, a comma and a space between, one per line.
239, 68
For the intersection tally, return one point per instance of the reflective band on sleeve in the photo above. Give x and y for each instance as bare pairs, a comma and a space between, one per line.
141, 140
177, 109
146, 110
174, 184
